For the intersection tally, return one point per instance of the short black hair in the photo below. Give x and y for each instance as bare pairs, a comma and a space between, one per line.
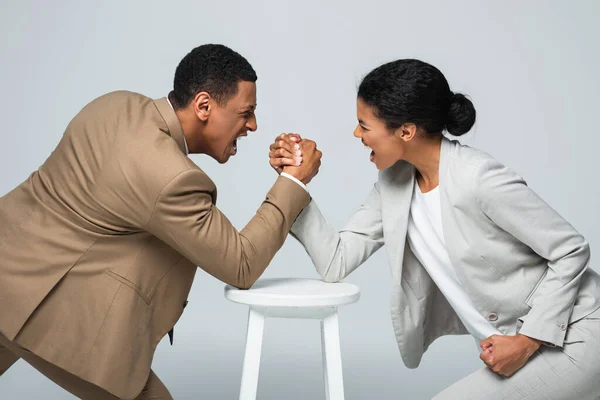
413, 91
211, 68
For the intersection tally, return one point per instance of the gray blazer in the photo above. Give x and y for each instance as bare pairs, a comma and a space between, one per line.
524, 267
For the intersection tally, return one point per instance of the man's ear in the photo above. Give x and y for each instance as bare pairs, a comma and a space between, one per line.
202, 106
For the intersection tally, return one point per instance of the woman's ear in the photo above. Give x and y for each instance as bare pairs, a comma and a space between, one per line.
406, 132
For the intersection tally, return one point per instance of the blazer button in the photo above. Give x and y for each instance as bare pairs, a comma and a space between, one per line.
493, 316
563, 327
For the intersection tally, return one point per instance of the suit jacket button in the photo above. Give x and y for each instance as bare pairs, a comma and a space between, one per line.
563, 327
493, 316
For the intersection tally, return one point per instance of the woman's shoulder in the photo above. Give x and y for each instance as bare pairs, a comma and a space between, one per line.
478, 168
462, 153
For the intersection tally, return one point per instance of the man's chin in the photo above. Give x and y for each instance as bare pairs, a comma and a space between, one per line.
223, 159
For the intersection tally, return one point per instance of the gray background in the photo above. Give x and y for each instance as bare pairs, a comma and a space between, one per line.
530, 68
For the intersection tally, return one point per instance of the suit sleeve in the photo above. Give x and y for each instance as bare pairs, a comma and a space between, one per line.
186, 218
336, 254
507, 200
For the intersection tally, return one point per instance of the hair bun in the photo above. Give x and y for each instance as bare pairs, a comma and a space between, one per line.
461, 115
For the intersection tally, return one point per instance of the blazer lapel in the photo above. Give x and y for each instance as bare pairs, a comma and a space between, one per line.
444, 185
396, 185
168, 114
450, 180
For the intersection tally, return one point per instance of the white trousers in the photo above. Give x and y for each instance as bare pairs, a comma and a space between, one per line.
552, 373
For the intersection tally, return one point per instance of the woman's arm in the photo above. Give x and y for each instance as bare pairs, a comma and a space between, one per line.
336, 254
507, 200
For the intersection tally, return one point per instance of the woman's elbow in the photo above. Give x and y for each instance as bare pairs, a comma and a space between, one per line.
333, 271
583, 250
332, 275
332, 279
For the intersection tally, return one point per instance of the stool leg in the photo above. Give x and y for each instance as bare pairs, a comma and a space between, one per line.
332, 357
254, 337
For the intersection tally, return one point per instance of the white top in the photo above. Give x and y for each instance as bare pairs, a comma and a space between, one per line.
294, 292
426, 240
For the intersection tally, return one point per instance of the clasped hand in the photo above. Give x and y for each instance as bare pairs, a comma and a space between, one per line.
505, 355
298, 157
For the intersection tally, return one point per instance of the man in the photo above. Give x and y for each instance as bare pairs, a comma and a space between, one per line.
99, 246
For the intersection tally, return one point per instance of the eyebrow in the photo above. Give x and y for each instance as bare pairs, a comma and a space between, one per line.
249, 108
360, 121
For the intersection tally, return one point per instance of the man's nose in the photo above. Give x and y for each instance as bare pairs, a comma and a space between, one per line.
252, 125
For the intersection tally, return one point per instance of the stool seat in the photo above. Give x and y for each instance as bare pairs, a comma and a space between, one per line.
294, 292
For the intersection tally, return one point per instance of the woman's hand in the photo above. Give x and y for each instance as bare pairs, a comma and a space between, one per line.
285, 151
296, 156
505, 355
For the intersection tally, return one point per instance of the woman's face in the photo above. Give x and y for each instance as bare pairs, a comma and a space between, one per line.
386, 147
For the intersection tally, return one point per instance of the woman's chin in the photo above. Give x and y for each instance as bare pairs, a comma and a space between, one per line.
381, 164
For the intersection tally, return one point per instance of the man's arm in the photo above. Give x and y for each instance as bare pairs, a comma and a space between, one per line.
186, 218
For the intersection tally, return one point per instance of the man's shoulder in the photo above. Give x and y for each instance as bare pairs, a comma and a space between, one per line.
121, 100
180, 179
122, 95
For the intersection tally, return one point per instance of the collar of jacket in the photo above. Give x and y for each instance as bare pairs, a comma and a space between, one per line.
174, 126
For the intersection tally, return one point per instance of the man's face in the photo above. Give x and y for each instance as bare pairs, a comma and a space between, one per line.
230, 121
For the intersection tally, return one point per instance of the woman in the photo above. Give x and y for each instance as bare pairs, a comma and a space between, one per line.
472, 249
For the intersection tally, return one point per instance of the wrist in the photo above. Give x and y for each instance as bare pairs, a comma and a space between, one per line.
293, 171
532, 344
288, 176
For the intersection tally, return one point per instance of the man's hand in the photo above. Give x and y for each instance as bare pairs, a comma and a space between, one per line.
305, 166
505, 355
284, 151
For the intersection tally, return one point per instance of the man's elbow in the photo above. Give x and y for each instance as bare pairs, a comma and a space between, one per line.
244, 279
242, 285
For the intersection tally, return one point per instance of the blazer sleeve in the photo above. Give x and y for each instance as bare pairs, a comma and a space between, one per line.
507, 200
336, 254
186, 218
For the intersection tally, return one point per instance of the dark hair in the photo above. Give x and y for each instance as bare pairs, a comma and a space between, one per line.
211, 68
416, 92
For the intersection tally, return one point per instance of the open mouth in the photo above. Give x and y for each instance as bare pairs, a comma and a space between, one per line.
234, 144
372, 155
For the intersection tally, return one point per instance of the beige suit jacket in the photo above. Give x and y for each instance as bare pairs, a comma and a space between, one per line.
99, 246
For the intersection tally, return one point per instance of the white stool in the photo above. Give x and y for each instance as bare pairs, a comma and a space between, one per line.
294, 298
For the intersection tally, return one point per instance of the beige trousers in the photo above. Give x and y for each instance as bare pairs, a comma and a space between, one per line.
11, 352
